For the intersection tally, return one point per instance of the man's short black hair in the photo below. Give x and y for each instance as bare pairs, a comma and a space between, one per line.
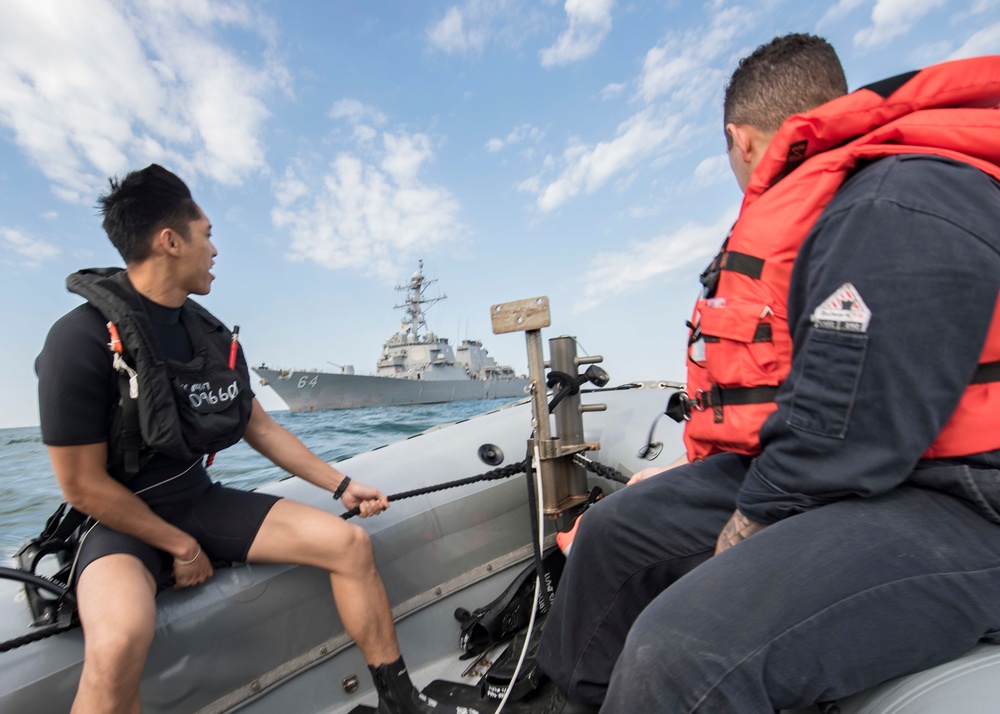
141, 204
789, 75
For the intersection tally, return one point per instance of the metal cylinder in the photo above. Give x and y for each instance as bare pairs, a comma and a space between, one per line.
568, 484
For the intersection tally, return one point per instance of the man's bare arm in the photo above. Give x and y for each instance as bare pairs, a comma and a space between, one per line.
285, 450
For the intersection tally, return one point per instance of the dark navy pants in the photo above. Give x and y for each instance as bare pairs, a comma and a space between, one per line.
815, 607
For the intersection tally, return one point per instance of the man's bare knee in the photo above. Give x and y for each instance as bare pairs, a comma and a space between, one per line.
127, 637
355, 547
118, 611
358, 537
119, 644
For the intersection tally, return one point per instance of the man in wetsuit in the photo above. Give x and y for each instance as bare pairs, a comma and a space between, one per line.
848, 533
169, 523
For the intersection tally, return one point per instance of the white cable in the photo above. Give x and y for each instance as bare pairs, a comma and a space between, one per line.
538, 583
168, 480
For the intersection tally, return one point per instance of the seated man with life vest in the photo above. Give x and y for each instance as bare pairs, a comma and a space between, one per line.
836, 521
128, 428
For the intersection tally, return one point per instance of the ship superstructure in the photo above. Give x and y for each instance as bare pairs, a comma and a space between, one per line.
415, 367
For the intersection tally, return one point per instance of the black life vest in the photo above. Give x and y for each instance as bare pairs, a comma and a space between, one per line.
183, 410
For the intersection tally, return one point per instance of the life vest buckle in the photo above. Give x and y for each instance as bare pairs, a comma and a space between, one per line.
679, 407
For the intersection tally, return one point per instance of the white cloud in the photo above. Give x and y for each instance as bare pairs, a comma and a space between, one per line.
611, 91
984, 42
588, 168
839, 11
142, 83
589, 24
712, 170
369, 210
628, 271
364, 133
404, 153
679, 66
981, 6
356, 112
681, 75
451, 35
468, 28
893, 18
25, 251
522, 132
532, 184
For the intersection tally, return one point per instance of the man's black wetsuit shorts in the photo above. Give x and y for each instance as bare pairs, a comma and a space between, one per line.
223, 520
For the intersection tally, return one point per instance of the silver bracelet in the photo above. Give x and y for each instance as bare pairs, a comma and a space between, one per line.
178, 561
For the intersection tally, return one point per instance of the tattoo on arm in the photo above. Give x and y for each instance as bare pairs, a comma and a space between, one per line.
737, 529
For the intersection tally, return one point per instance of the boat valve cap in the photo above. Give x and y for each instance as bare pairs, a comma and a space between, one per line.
491, 454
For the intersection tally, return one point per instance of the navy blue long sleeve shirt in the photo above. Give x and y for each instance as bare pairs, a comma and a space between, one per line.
918, 238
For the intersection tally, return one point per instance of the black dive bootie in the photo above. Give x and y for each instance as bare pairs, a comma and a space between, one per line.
397, 695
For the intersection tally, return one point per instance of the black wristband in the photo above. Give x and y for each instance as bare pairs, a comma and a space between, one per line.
341, 488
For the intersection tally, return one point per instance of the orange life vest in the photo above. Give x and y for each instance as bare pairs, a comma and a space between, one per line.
740, 347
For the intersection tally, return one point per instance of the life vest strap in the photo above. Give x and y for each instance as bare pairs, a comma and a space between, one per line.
131, 434
733, 261
763, 333
679, 405
986, 372
128, 386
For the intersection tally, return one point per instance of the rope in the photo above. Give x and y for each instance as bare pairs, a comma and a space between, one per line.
36, 636
600, 469
494, 475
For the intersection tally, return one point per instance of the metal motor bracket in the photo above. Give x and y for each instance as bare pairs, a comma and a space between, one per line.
564, 483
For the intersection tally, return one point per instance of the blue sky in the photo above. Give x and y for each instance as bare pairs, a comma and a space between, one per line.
570, 149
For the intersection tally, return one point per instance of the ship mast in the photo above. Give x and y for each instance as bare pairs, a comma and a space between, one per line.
415, 299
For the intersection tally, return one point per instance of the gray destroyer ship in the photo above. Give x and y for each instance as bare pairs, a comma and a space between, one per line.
415, 367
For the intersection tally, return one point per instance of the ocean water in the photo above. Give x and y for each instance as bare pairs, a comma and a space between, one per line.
29, 493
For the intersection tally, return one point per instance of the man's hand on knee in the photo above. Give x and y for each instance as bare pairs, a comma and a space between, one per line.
192, 571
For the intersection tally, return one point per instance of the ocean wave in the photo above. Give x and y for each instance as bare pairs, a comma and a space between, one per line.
29, 493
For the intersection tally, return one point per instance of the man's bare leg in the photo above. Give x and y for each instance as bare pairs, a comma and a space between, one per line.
116, 596
295, 533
